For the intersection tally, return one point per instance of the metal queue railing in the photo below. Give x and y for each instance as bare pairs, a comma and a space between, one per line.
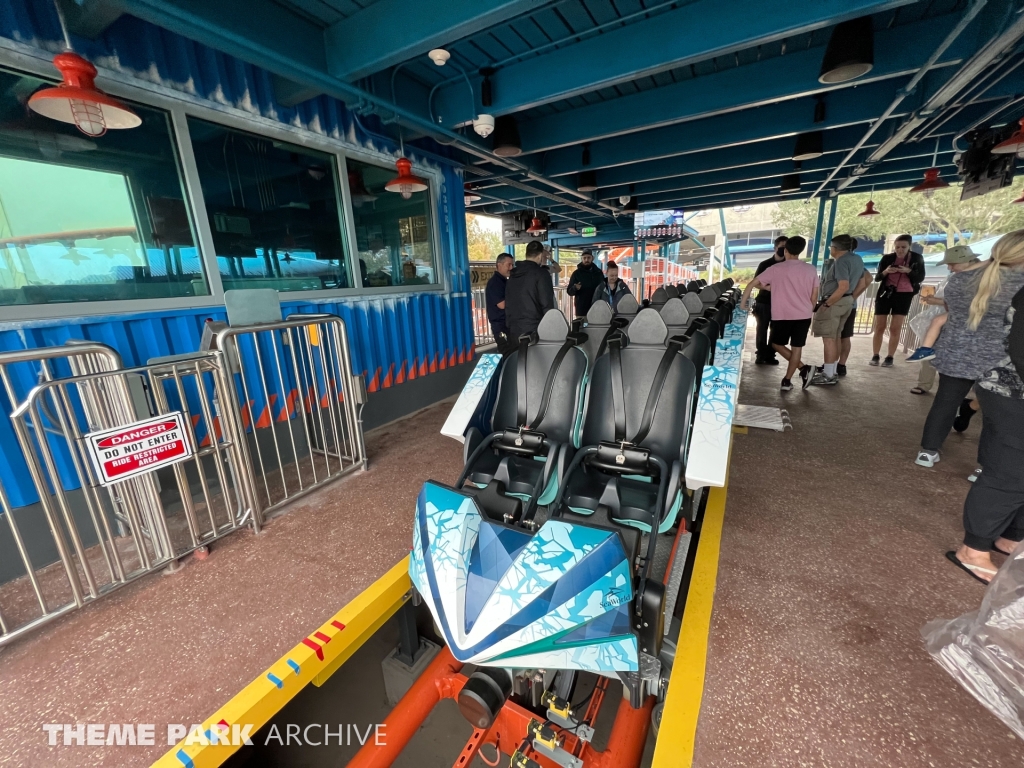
482, 335
77, 534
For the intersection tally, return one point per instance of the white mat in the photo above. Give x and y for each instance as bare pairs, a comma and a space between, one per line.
762, 417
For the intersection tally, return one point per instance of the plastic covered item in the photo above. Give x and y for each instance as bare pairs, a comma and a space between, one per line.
984, 650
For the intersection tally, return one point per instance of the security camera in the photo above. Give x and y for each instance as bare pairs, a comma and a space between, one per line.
484, 125
623, 199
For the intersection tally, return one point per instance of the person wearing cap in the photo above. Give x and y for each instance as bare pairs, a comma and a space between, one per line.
835, 305
900, 274
583, 283
529, 292
956, 256
972, 340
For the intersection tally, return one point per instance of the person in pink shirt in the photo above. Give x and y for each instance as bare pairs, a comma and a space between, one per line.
794, 287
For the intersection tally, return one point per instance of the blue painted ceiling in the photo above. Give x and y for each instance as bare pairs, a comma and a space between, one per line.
691, 104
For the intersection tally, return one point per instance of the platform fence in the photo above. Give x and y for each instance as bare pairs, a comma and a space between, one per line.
76, 529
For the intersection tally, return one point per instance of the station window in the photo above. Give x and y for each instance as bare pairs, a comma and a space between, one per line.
90, 218
393, 234
273, 209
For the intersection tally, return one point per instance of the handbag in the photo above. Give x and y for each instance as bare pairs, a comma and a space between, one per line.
886, 292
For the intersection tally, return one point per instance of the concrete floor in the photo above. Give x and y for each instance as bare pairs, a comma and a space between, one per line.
832, 560
173, 649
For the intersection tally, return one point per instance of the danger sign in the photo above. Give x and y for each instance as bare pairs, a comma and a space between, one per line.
125, 452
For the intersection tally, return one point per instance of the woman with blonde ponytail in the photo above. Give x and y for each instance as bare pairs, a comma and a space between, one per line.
973, 339
994, 509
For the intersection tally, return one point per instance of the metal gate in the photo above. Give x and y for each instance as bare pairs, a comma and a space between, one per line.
77, 539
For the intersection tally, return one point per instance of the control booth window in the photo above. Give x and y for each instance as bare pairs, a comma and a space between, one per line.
86, 218
273, 209
393, 234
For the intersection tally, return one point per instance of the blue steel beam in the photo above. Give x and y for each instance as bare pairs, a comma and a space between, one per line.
389, 32
858, 105
782, 78
656, 44
845, 108
816, 237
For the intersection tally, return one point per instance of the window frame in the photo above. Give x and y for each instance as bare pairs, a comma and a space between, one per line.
181, 106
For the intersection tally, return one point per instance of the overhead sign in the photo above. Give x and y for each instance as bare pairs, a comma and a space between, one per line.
121, 453
588, 232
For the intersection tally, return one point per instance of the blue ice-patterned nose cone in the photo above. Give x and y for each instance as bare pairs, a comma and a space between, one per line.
556, 599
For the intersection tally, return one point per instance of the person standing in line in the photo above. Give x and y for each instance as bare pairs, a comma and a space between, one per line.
794, 286
495, 295
583, 282
972, 340
994, 508
765, 354
611, 289
900, 274
529, 293
846, 337
836, 304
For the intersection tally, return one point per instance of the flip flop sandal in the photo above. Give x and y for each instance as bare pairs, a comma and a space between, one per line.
997, 549
918, 391
970, 570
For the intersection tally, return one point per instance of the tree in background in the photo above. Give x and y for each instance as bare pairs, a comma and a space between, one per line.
902, 211
484, 244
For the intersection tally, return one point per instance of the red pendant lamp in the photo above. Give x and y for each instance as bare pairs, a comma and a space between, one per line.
869, 209
77, 99
536, 227
932, 182
1013, 145
405, 183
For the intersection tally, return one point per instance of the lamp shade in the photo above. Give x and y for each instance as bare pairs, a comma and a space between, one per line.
1013, 145
77, 100
536, 227
850, 52
586, 181
405, 183
790, 184
632, 206
470, 195
506, 137
809, 146
357, 189
932, 181
869, 210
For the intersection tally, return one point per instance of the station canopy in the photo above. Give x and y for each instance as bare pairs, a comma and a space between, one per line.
600, 108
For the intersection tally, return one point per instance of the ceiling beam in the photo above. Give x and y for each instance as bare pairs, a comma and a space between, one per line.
782, 78
857, 105
695, 32
389, 32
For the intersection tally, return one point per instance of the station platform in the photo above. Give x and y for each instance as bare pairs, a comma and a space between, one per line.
831, 559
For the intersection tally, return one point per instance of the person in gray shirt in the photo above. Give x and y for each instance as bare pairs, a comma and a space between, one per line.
836, 304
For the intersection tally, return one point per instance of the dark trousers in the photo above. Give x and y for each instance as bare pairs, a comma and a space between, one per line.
995, 503
503, 342
763, 315
948, 396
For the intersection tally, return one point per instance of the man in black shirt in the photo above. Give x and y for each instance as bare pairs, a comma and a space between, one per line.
763, 307
583, 282
495, 294
529, 293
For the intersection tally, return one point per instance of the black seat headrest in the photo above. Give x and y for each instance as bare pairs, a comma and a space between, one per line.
675, 312
693, 287
627, 305
647, 329
659, 297
600, 313
671, 291
553, 328
693, 303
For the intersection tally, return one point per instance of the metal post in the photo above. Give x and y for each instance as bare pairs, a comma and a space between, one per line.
817, 231
726, 257
643, 266
831, 226
408, 635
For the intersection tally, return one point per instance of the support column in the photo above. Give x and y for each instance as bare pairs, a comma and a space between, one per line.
828, 232
817, 231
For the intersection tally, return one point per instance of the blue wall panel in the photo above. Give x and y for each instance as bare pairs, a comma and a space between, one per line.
395, 338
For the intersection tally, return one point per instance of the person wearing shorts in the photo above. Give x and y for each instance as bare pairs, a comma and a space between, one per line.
836, 304
846, 338
794, 287
900, 274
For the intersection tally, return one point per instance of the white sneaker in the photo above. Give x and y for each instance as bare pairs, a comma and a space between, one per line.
927, 458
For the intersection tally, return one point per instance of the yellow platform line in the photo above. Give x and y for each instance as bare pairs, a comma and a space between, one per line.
264, 697
678, 730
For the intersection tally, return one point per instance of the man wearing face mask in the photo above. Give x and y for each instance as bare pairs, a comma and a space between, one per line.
763, 306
